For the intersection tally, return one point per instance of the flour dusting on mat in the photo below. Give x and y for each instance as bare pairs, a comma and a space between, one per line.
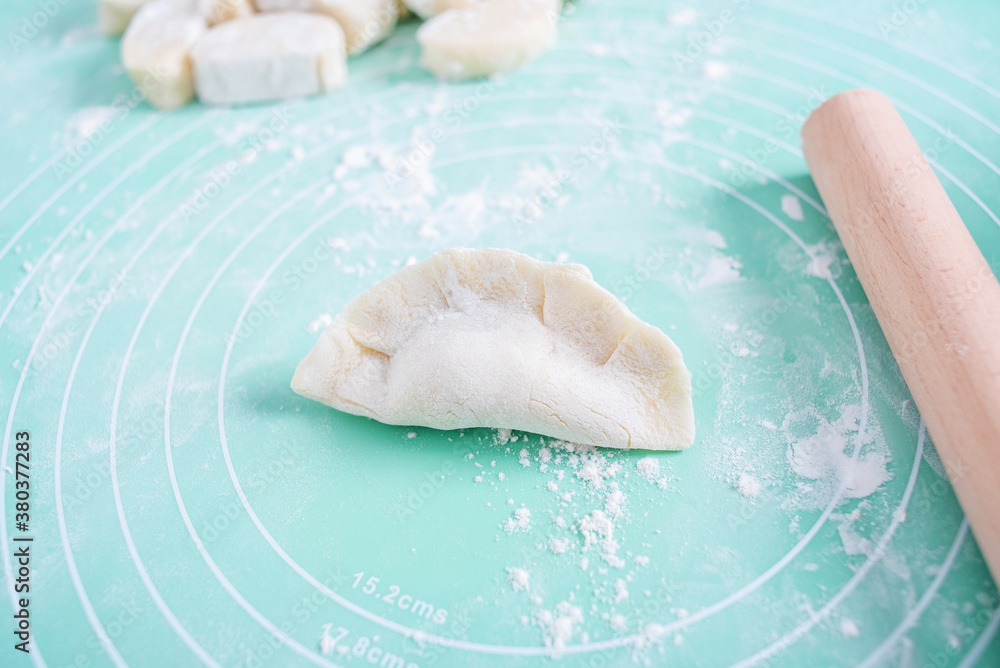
519, 578
826, 455
649, 467
792, 207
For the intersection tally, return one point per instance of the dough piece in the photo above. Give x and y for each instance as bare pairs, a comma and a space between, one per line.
285, 5
269, 57
484, 39
156, 51
365, 22
493, 338
218, 11
425, 9
114, 15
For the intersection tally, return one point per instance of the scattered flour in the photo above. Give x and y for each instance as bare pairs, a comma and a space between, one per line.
849, 628
792, 207
715, 239
519, 579
649, 467
558, 545
715, 70
521, 521
320, 323
747, 485
682, 17
614, 502
720, 270
88, 121
598, 529
559, 626
825, 260
826, 456
621, 590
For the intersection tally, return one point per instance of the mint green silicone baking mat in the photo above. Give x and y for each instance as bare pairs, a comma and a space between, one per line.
163, 273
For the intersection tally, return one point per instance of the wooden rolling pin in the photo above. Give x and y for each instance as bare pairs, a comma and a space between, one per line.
931, 289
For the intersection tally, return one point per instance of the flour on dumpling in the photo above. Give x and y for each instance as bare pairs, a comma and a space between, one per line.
493, 338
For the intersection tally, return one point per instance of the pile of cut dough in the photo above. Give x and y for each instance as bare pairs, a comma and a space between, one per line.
244, 51
494, 338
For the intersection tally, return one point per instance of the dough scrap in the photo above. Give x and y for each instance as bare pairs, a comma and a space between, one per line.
487, 38
494, 338
365, 22
268, 57
156, 51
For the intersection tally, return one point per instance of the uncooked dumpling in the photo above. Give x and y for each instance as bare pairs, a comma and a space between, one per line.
219, 11
494, 338
487, 38
365, 22
269, 57
156, 51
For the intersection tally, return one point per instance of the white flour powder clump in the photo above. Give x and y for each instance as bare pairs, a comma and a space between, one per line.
519, 578
649, 467
559, 626
826, 456
521, 521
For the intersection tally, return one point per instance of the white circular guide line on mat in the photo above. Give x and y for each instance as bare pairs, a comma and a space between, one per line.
913, 615
798, 59
696, 112
524, 650
130, 544
170, 382
41, 169
977, 649
876, 62
84, 264
898, 516
149, 307
71, 564
37, 265
133, 551
922, 55
901, 105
